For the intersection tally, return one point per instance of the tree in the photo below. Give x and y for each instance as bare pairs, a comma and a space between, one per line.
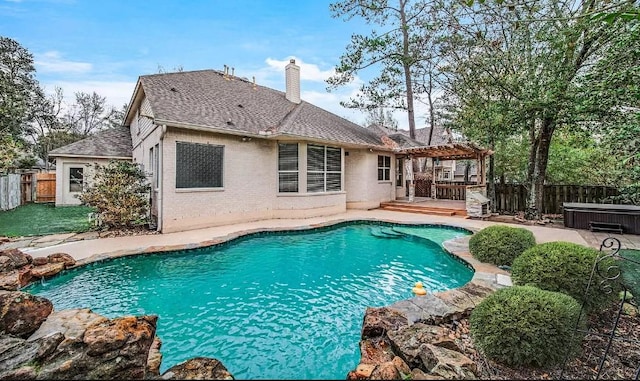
397, 52
540, 60
9, 151
120, 193
18, 87
46, 120
381, 117
89, 114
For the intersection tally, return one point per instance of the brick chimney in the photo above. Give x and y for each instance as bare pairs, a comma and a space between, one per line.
292, 80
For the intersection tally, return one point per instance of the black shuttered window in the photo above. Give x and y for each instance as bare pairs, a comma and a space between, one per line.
199, 165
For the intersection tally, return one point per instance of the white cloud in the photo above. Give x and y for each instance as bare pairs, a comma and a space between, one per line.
308, 72
52, 62
116, 92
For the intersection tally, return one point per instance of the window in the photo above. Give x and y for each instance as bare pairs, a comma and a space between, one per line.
324, 169
76, 179
446, 175
154, 161
399, 170
384, 168
287, 167
199, 165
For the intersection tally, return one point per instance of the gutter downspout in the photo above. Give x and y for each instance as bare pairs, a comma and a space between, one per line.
163, 132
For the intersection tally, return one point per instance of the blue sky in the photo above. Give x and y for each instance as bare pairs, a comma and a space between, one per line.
104, 45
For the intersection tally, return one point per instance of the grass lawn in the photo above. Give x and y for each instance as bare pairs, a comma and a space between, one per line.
631, 271
42, 219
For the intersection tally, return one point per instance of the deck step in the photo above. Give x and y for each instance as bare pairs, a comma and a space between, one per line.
433, 211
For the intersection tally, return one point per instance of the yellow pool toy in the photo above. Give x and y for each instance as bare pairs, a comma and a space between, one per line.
419, 289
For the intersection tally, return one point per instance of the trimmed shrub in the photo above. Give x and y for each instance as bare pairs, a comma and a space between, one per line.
500, 244
526, 326
120, 193
564, 267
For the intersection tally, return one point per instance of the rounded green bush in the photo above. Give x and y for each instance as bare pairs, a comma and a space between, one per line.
500, 244
526, 326
564, 267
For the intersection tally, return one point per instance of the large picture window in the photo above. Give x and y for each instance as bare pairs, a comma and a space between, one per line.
384, 168
76, 179
199, 165
324, 169
288, 167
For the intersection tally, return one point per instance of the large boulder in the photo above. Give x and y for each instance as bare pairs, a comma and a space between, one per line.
47, 270
378, 321
198, 368
62, 258
79, 344
407, 341
446, 363
21, 313
15, 279
16, 258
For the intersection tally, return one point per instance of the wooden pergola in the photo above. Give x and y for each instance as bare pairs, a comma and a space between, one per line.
452, 151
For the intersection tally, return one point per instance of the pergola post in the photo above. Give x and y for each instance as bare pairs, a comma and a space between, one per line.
434, 189
412, 184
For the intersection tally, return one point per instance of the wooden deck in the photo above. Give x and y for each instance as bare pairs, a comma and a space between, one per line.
424, 205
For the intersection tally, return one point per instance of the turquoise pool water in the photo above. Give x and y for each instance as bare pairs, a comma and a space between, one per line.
271, 305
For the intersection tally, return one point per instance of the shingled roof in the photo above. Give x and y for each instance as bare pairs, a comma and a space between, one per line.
209, 98
111, 143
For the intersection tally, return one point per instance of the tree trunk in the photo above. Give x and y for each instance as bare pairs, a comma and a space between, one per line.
406, 65
432, 119
535, 199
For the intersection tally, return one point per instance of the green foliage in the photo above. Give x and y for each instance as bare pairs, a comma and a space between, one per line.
564, 267
9, 151
120, 193
499, 244
526, 326
18, 87
630, 268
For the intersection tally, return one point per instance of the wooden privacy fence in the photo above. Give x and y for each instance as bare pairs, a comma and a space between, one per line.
512, 198
9, 191
46, 187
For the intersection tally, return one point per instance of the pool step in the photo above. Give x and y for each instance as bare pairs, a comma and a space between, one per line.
384, 233
413, 208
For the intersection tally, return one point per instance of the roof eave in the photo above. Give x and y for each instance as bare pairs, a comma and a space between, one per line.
90, 156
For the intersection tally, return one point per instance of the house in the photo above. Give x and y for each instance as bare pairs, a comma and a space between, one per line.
221, 149
75, 162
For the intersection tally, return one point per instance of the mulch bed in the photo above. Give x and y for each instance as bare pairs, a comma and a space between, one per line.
622, 362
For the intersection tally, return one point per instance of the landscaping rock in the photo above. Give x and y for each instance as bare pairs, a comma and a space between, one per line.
362, 372
15, 279
21, 313
17, 258
94, 347
407, 342
47, 271
377, 321
419, 374
6, 265
39, 261
154, 359
375, 351
446, 363
62, 258
402, 366
385, 371
199, 368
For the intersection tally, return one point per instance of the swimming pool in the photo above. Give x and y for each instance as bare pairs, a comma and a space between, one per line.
285, 305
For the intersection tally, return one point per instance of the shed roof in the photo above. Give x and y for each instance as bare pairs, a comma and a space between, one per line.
111, 143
